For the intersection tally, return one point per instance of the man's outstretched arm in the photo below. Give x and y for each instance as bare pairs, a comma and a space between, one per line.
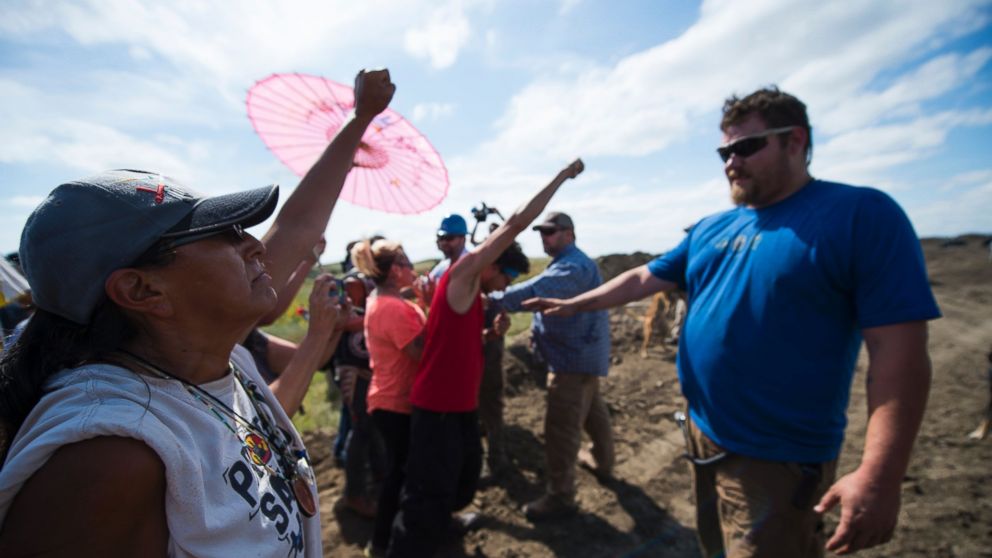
629, 286
898, 386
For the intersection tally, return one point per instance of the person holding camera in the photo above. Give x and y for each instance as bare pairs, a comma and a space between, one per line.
363, 448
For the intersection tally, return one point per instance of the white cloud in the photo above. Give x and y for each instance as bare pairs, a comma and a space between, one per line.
970, 178
24, 201
828, 55
650, 219
492, 39
440, 38
932, 79
224, 47
860, 155
32, 134
965, 209
565, 6
432, 111
139, 54
833, 56
93, 147
870, 73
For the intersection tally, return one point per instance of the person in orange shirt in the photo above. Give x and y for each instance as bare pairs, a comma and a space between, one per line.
394, 335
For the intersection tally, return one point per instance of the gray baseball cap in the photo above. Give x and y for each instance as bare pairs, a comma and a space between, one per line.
555, 220
86, 229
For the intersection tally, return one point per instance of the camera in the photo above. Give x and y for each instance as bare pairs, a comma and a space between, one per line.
481, 213
337, 289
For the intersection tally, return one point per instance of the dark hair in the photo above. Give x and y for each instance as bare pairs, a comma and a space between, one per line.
514, 258
777, 108
50, 343
346, 264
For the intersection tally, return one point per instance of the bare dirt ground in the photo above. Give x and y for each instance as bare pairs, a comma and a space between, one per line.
647, 510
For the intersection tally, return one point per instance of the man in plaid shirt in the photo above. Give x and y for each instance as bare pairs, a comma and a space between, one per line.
577, 351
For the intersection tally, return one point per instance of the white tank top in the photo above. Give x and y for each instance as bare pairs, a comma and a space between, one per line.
218, 502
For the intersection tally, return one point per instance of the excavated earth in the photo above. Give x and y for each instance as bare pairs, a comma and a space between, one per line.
648, 510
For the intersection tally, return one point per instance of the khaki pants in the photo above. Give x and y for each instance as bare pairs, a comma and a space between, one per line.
748, 507
574, 405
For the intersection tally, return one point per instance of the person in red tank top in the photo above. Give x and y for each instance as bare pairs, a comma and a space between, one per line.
445, 457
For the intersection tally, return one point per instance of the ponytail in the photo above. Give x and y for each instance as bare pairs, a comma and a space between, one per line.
48, 344
374, 257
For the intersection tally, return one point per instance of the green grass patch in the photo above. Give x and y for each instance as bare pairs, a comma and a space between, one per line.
519, 321
319, 411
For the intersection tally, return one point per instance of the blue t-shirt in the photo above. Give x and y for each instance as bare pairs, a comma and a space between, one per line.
778, 297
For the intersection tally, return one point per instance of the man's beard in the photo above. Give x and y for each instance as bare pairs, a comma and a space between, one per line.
452, 252
755, 194
738, 195
741, 195
760, 189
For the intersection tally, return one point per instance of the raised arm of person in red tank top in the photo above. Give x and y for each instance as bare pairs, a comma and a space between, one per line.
463, 284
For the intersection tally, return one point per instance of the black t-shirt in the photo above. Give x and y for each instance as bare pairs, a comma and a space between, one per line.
351, 349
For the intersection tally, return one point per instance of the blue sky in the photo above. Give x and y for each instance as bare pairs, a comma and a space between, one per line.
899, 95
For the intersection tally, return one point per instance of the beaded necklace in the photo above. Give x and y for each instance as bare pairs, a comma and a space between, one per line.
295, 463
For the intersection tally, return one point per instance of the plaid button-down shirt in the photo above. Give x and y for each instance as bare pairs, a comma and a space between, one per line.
577, 344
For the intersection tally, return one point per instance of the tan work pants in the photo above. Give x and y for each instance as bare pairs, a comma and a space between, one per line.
748, 507
574, 405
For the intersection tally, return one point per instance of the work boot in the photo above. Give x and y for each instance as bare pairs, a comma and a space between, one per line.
499, 466
462, 523
550, 506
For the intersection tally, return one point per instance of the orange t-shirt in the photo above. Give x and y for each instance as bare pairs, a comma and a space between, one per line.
390, 324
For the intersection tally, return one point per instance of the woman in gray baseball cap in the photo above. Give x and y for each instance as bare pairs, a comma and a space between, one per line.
133, 424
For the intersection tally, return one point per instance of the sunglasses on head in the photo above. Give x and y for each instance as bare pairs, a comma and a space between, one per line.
749, 145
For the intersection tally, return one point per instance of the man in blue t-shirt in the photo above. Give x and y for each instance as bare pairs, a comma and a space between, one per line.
782, 290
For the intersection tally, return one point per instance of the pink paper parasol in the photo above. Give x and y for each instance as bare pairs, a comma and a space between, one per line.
396, 169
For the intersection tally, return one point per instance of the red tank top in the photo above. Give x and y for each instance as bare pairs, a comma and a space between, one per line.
451, 366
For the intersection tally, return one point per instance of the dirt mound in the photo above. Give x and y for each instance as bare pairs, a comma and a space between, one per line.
614, 264
647, 511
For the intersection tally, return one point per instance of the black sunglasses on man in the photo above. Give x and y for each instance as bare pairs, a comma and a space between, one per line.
749, 145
